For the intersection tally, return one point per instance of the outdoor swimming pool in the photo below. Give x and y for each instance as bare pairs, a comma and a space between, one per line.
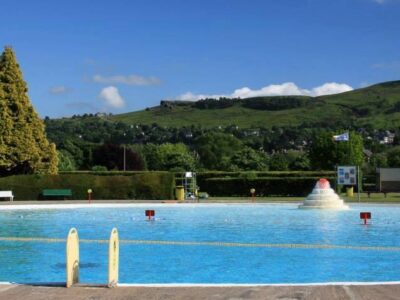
236, 223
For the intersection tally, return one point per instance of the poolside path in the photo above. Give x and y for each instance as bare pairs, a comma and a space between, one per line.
331, 292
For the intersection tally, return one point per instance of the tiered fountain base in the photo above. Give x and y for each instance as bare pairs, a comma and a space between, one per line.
323, 196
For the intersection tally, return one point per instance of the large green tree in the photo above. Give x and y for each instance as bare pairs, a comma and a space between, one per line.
325, 153
112, 157
248, 159
169, 157
393, 158
217, 149
24, 147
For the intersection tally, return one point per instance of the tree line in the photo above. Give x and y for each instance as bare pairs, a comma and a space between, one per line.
85, 141
89, 142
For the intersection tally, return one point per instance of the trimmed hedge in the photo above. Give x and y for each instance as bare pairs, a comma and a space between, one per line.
288, 183
250, 174
144, 185
267, 186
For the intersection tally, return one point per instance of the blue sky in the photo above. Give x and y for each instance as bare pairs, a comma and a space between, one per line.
120, 56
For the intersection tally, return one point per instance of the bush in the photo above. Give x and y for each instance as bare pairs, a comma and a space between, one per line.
99, 168
265, 186
134, 185
244, 174
278, 183
277, 103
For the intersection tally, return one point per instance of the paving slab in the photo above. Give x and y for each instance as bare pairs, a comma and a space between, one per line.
329, 292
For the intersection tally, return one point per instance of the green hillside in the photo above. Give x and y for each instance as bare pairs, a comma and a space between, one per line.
377, 106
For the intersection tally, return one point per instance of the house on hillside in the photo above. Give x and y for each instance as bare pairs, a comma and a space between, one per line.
252, 132
387, 137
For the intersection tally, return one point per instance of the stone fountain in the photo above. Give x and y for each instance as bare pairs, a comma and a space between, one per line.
323, 196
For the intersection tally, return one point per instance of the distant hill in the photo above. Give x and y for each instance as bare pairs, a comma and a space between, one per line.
377, 106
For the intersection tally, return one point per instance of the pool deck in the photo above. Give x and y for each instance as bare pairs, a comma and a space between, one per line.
351, 292
169, 202
61, 202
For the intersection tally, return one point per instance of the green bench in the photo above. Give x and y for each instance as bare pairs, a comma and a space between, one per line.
57, 193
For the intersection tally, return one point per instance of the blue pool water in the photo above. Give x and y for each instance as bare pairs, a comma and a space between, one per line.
242, 223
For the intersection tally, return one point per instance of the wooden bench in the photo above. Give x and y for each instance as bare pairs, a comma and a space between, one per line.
7, 194
371, 188
57, 193
370, 192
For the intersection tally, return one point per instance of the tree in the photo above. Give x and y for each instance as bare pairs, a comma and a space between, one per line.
65, 161
248, 159
298, 160
393, 157
112, 157
24, 147
74, 149
325, 153
169, 157
216, 150
279, 162
290, 160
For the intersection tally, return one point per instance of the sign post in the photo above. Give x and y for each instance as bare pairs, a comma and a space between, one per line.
365, 216
253, 193
359, 183
89, 192
150, 213
349, 175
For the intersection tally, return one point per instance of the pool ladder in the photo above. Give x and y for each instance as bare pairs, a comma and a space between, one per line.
72, 258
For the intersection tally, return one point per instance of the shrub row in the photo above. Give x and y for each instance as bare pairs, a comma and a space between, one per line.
258, 103
277, 103
145, 185
265, 186
250, 174
269, 183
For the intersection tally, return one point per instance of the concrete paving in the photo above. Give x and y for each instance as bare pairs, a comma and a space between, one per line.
45, 202
329, 292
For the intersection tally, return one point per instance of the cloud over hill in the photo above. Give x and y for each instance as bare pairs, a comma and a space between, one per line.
284, 89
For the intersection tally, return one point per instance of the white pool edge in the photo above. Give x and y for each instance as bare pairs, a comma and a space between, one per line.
254, 284
8, 207
121, 205
151, 285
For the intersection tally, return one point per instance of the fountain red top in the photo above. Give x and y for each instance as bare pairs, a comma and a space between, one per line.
323, 183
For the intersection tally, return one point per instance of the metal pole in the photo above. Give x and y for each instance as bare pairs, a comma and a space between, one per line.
124, 158
124, 152
358, 183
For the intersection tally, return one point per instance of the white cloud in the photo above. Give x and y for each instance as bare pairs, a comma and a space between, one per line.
287, 88
284, 89
110, 95
330, 88
128, 80
58, 90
